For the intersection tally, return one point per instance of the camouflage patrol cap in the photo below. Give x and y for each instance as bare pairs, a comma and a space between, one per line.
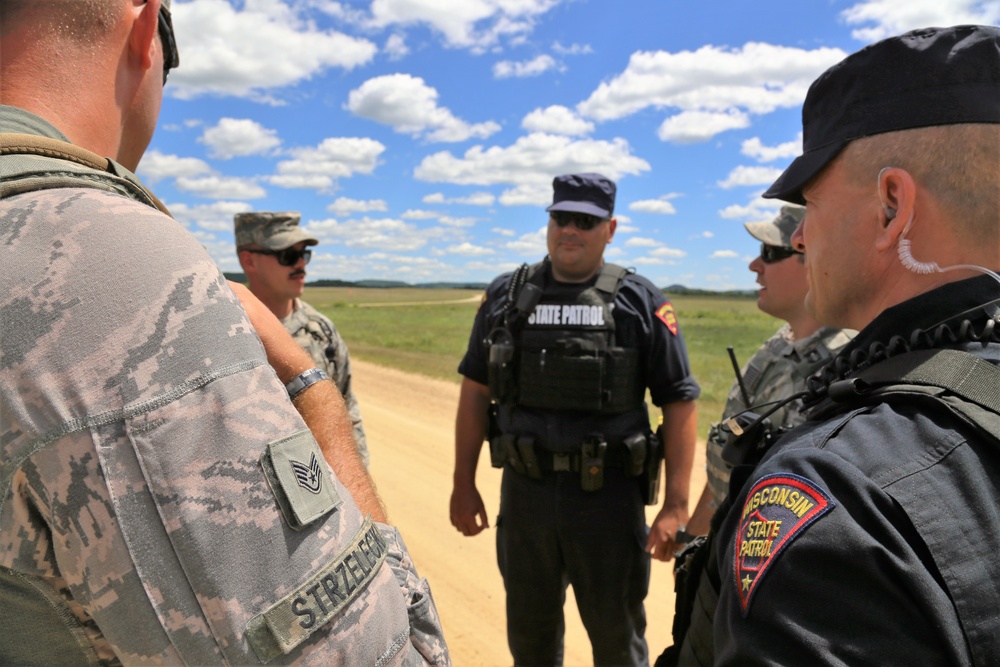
271, 230
778, 232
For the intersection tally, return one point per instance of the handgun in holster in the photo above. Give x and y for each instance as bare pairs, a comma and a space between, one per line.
508, 446
592, 463
636, 450
654, 468
526, 448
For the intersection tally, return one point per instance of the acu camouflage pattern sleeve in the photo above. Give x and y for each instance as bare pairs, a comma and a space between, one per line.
317, 335
136, 521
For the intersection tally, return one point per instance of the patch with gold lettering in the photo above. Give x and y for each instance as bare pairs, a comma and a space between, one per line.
668, 317
777, 510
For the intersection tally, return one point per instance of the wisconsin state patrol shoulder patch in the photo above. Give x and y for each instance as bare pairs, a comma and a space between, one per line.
777, 510
668, 317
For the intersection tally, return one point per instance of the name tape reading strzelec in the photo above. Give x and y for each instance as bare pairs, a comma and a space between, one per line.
291, 620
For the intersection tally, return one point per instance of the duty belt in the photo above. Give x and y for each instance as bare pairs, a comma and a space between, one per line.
639, 455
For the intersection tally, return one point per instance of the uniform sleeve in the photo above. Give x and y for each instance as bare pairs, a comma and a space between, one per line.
669, 375
184, 512
821, 565
474, 363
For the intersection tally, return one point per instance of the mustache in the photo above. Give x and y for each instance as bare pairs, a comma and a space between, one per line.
296, 273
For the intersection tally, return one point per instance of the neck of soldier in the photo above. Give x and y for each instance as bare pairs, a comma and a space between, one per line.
281, 306
803, 326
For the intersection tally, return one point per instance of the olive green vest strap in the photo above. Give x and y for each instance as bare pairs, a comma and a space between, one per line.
13, 143
610, 280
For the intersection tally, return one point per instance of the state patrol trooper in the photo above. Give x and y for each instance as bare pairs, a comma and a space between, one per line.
868, 535
561, 354
272, 251
780, 367
161, 499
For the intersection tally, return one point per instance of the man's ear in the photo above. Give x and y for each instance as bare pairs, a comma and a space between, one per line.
247, 260
897, 194
145, 19
612, 226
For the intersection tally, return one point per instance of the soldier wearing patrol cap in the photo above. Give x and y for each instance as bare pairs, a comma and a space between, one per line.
780, 367
562, 353
273, 252
162, 501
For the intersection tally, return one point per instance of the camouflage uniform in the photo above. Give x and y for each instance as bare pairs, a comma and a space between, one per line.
161, 500
317, 336
777, 370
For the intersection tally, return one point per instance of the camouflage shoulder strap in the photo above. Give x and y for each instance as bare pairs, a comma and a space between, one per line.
43, 163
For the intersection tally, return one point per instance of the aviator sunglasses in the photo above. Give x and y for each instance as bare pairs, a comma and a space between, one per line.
769, 254
286, 257
584, 222
171, 57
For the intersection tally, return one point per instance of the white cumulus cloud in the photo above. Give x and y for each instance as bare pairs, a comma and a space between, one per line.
475, 199
877, 19
345, 206
232, 137
243, 52
506, 69
530, 164
727, 83
660, 205
756, 149
689, 127
221, 187
156, 166
473, 24
408, 105
470, 250
724, 254
557, 119
743, 176
334, 158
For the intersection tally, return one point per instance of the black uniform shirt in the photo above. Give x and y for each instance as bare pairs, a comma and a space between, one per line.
870, 537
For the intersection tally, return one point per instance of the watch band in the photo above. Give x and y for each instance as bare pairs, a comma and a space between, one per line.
304, 380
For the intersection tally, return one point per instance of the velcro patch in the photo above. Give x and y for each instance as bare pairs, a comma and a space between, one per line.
298, 477
668, 316
777, 510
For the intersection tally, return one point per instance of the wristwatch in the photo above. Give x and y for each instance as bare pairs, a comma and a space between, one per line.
304, 380
683, 537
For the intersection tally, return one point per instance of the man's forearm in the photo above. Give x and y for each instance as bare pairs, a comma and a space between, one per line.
470, 430
321, 405
680, 424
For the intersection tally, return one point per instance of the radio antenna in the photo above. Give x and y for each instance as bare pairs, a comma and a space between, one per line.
739, 376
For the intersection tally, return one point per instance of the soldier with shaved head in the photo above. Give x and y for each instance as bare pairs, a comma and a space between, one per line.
161, 497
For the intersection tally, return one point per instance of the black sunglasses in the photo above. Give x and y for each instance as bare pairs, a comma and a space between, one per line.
171, 57
286, 257
584, 222
769, 254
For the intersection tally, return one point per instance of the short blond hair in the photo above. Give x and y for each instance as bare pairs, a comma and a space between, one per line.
958, 165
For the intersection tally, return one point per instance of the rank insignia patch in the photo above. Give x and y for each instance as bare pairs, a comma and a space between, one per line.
777, 510
667, 315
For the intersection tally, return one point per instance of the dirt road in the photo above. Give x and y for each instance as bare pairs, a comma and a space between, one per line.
409, 420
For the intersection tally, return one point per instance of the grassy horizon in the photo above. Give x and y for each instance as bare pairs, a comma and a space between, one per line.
429, 336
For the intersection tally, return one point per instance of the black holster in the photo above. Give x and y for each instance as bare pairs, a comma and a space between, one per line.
653, 468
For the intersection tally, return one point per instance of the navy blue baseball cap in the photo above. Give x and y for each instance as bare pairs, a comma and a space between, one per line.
923, 78
592, 194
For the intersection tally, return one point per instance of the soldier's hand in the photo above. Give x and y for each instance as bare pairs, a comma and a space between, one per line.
661, 544
468, 513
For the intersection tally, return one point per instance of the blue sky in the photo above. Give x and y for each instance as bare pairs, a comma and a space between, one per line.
419, 138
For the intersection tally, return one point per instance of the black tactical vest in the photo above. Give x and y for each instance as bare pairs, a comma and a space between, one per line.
562, 355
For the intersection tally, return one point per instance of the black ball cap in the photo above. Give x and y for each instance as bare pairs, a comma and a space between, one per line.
926, 77
593, 194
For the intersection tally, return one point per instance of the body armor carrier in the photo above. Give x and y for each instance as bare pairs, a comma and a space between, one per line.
561, 354
43, 163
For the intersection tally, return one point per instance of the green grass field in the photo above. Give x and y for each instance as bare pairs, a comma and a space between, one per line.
430, 338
